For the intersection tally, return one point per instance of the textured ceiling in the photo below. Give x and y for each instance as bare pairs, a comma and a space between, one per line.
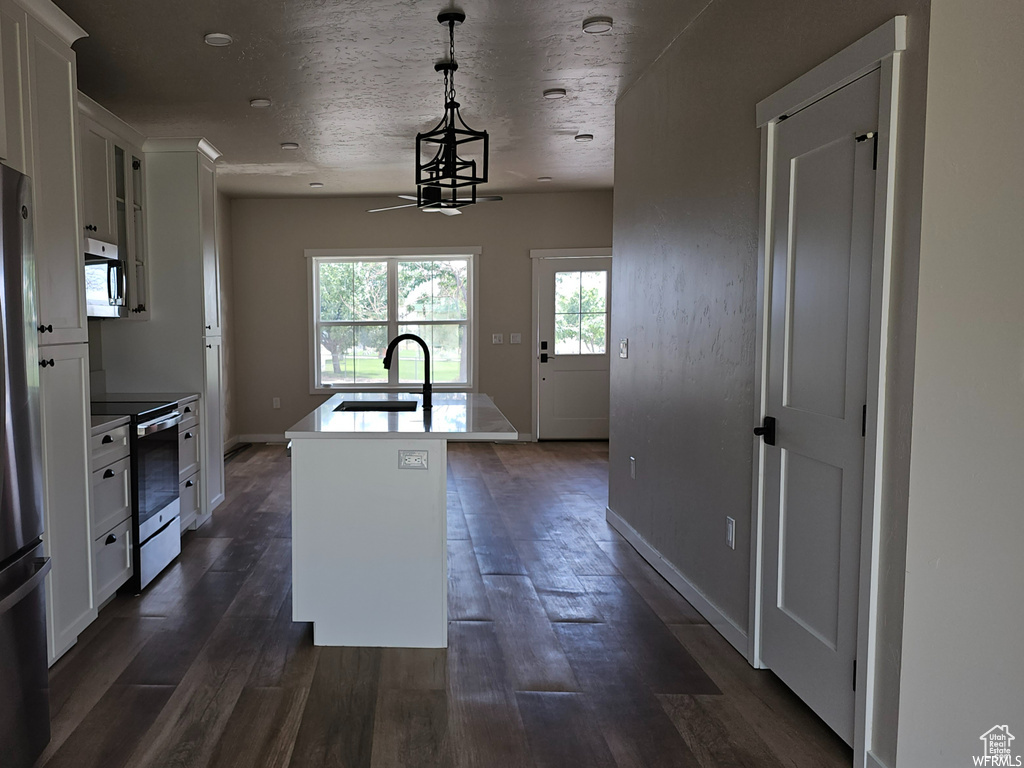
352, 81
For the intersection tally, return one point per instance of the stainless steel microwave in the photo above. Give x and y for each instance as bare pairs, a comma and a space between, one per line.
105, 280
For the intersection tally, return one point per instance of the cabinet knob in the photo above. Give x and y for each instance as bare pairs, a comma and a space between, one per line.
45, 329
107, 439
188, 435
111, 539
209, 346
189, 483
90, 227
209, 327
108, 474
46, 363
188, 409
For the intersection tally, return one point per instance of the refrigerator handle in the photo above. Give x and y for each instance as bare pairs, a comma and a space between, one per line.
43, 566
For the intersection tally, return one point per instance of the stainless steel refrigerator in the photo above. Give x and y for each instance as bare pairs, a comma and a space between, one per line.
24, 692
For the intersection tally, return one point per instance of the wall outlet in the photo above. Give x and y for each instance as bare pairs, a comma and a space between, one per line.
623, 348
515, 338
632, 467
497, 338
277, 402
412, 459
730, 533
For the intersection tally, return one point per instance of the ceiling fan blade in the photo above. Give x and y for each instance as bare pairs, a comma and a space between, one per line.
392, 208
451, 211
408, 197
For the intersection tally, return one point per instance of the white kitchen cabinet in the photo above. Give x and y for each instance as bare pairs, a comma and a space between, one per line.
54, 168
113, 195
111, 512
190, 462
213, 421
175, 351
64, 405
14, 147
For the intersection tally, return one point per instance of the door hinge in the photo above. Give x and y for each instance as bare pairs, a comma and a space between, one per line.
855, 674
864, 421
873, 135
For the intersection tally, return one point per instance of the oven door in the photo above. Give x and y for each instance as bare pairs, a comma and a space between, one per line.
156, 461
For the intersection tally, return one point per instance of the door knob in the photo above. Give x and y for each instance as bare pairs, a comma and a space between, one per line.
767, 430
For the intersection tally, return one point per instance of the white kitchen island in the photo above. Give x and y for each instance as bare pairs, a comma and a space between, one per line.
369, 509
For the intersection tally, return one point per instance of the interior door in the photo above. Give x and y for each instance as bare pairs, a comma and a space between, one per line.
817, 357
573, 304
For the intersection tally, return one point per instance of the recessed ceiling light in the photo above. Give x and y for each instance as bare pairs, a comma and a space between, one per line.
544, 179
259, 103
554, 93
597, 25
218, 39
316, 184
584, 137
289, 145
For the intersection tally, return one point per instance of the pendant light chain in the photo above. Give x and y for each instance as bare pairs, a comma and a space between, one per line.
449, 74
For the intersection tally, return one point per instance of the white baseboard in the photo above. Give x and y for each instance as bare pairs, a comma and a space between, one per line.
230, 443
725, 626
870, 761
278, 438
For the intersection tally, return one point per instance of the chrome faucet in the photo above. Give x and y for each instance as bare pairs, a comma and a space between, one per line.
426, 362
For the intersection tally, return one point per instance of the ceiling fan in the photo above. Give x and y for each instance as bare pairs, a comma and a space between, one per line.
442, 206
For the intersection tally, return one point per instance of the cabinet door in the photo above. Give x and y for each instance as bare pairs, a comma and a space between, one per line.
58, 242
208, 233
64, 405
97, 184
213, 425
14, 151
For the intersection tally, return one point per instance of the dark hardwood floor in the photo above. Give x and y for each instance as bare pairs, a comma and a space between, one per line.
565, 648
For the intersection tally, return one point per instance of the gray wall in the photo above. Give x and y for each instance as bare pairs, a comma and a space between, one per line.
963, 624
685, 242
271, 309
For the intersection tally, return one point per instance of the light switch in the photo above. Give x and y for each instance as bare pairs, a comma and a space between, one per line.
730, 533
412, 459
623, 348
497, 338
515, 338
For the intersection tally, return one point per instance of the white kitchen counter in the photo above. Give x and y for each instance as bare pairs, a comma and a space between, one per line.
101, 424
454, 416
369, 518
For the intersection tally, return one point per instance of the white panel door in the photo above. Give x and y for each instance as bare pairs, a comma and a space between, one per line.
573, 302
824, 193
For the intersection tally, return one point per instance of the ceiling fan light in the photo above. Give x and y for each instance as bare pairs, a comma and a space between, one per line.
554, 93
597, 25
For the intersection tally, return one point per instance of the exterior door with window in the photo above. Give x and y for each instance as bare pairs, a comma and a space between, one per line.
573, 304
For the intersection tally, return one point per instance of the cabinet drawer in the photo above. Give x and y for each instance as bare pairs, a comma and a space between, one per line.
109, 447
111, 496
111, 561
190, 495
189, 415
188, 453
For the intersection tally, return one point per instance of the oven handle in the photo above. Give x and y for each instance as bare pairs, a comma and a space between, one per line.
164, 422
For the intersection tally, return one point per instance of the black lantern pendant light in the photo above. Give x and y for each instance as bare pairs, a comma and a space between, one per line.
448, 180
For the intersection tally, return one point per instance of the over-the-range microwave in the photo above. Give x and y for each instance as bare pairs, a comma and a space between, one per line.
105, 280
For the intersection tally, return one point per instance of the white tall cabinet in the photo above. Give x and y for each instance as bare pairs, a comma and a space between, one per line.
39, 137
179, 348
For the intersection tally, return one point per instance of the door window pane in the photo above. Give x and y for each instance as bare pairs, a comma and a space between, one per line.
581, 312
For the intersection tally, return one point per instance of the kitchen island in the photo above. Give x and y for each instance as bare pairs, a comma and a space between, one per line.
369, 509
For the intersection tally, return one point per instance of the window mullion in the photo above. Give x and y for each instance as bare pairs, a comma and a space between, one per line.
393, 316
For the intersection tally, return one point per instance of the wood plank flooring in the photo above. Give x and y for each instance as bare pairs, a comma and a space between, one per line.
565, 648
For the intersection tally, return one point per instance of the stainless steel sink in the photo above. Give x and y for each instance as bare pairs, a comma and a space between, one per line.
377, 405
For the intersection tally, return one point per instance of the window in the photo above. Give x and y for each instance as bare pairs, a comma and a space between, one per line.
360, 302
581, 312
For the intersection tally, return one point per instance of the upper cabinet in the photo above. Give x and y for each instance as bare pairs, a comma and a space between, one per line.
113, 195
208, 239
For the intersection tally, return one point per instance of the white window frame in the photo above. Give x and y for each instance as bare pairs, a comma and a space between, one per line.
315, 256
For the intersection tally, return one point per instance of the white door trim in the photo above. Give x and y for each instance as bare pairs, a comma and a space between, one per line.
549, 253
877, 50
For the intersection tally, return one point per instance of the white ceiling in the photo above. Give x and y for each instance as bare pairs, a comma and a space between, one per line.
352, 81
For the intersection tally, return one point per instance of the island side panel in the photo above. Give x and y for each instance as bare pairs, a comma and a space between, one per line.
369, 558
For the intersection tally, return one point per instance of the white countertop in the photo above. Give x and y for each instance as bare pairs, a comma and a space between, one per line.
454, 416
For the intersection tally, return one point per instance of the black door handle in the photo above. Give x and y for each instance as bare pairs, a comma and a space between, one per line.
767, 430
108, 474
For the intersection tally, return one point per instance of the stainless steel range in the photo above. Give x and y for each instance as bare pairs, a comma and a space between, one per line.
156, 523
